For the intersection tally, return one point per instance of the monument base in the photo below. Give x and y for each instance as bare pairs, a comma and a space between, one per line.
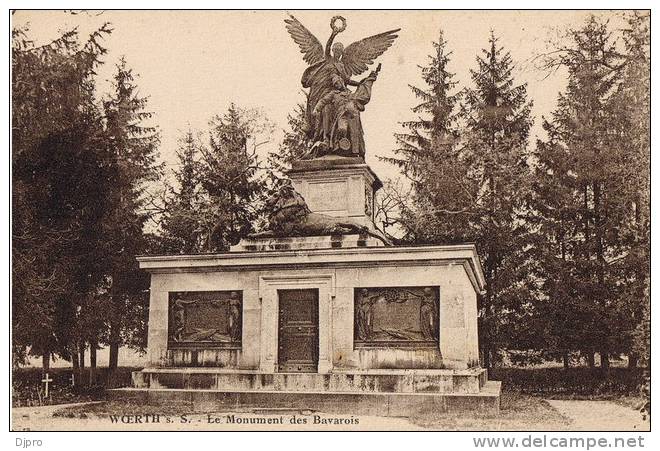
374, 392
446, 381
487, 401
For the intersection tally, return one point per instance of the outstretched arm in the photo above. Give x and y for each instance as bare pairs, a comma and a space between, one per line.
328, 46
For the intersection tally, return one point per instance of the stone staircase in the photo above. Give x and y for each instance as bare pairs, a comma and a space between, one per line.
373, 392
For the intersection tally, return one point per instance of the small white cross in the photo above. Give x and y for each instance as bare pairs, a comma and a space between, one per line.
46, 380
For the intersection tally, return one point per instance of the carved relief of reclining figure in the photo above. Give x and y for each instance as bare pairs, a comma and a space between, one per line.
290, 216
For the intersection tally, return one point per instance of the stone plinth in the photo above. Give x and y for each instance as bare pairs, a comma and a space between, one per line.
392, 404
337, 186
470, 380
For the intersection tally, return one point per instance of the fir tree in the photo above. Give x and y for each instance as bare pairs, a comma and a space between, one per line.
633, 99
181, 224
232, 186
428, 156
60, 184
295, 144
586, 160
134, 148
497, 117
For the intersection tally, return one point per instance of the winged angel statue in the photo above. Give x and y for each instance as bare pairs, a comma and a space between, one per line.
333, 110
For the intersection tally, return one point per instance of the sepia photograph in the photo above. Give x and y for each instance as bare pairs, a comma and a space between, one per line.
331, 220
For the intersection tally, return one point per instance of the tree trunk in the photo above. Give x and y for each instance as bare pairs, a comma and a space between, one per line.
604, 360
567, 360
114, 346
75, 359
114, 356
45, 362
81, 352
591, 360
486, 357
600, 272
92, 354
632, 360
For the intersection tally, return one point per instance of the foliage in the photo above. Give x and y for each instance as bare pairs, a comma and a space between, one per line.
498, 119
220, 184
57, 143
294, 144
80, 175
468, 172
563, 229
577, 382
230, 176
134, 149
427, 156
181, 224
591, 186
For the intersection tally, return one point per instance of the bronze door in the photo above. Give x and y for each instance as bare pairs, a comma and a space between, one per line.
298, 340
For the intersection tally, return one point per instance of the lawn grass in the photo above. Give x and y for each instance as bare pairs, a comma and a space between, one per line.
633, 402
90, 385
518, 412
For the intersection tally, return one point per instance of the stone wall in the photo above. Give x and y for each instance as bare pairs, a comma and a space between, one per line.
457, 316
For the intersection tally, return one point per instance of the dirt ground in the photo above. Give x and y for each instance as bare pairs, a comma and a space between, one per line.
600, 416
42, 419
519, 412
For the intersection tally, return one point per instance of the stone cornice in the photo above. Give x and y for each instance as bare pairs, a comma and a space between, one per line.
463, 254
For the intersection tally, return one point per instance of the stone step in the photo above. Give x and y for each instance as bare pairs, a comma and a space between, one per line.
486, 401
408, 381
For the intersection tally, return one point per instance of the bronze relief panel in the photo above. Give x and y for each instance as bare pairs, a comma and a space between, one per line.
396, 317
205, 319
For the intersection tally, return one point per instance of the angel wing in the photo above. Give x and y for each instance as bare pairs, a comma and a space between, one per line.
359, 55
307, 42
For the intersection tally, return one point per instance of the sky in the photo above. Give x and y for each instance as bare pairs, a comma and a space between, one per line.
193, 64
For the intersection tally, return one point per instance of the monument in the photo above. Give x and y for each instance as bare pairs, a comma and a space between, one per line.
320, 311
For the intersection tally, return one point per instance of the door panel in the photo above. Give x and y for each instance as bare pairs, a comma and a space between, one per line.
298, 340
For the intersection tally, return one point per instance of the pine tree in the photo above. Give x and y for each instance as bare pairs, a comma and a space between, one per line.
586, 160
633, 99
57, 144
497, 119
428, 156
295, 144
435, 124
134, 151
232, 187
469, 175
554, 204
181, 224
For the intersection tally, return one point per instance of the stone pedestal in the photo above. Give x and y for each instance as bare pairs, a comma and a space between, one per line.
344, 370
338, 186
